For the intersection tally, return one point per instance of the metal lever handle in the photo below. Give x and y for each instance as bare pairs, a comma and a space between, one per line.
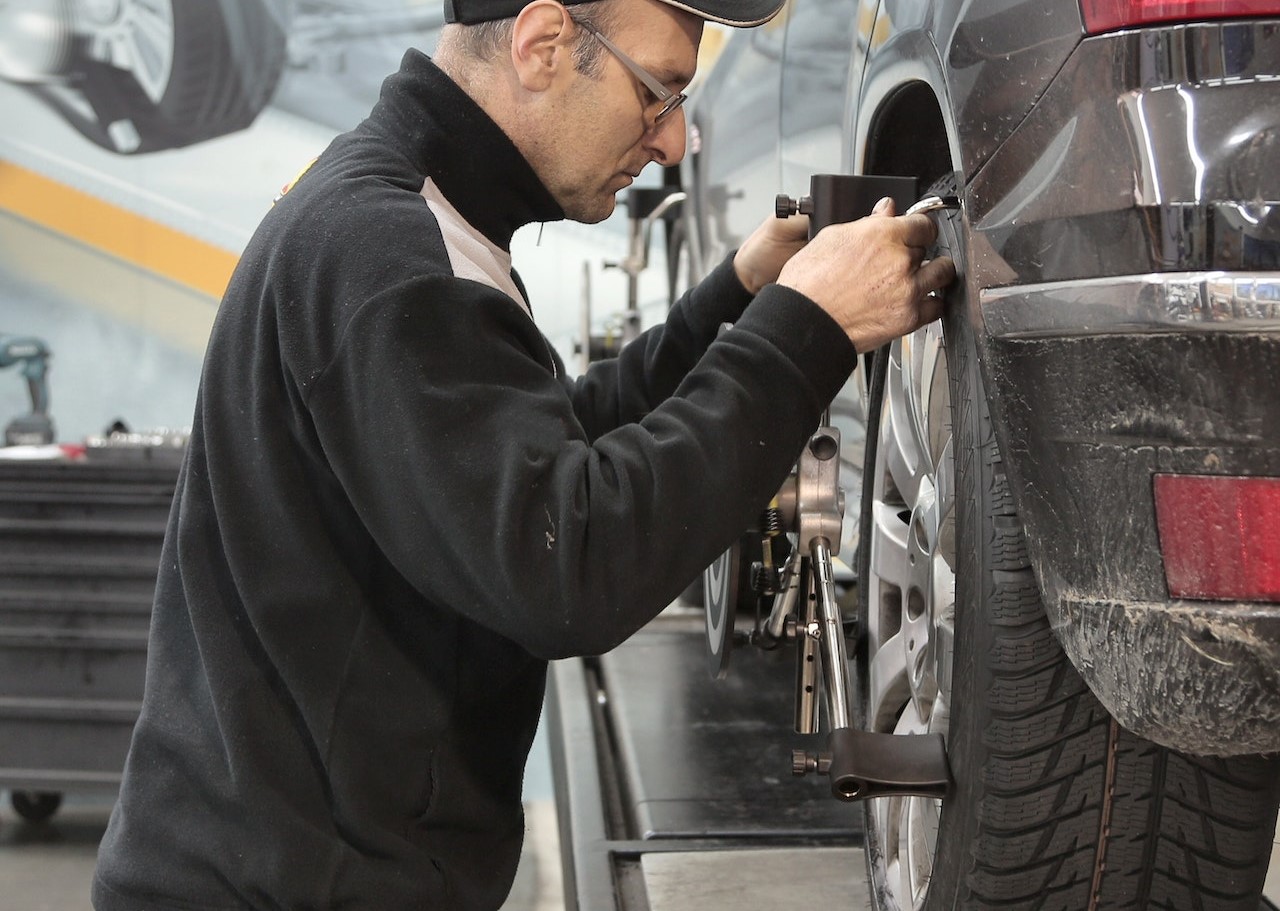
865, 764
933, 204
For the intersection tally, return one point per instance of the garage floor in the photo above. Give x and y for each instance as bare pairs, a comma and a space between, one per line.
48, 867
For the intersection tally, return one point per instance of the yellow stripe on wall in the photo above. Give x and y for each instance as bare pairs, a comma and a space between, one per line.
133, 238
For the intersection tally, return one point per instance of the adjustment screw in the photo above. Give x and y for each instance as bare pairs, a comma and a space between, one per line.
803, 762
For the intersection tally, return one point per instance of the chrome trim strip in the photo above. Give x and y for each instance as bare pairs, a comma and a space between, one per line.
1154, 302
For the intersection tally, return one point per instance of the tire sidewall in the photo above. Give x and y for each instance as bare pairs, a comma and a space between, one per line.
971, 441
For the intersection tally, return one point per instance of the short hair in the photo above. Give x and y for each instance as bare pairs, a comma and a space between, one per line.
485, 41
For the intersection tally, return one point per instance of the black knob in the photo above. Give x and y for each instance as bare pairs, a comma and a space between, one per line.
803, 762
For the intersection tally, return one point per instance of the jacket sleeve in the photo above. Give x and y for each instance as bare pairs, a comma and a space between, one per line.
629, 386
465, 460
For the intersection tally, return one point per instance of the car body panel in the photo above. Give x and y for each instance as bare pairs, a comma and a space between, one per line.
1149, 270
988, 60
1123, 301
741, 129
824, 54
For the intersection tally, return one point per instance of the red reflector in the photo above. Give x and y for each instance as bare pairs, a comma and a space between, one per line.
1220, 537
1105, 15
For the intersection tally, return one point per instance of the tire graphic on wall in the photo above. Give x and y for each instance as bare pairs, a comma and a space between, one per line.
720, 593
161, 74
1054, 806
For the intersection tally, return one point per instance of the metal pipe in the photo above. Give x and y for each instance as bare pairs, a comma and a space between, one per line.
784, 603
807, 665
835, 661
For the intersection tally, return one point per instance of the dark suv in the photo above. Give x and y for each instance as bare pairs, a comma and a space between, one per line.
1068, 540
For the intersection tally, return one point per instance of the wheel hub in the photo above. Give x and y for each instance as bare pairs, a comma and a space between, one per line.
35, 39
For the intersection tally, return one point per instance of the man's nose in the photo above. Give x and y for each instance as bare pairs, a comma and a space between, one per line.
665, 140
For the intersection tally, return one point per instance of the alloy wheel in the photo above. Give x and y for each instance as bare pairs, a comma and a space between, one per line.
911, 589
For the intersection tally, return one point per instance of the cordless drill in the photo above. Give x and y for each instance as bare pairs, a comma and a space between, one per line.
36, 428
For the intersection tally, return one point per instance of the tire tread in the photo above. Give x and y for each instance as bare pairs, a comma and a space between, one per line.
1046, 742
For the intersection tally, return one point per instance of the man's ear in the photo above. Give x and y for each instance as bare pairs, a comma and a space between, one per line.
540, 43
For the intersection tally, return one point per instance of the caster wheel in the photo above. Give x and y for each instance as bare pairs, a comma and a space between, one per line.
35, 806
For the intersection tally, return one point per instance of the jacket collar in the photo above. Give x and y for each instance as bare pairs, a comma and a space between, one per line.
436, 126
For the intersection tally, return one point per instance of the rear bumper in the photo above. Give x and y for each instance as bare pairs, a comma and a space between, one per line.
1124, 248
1088, 420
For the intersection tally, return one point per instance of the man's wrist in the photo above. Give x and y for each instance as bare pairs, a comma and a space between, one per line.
747, 277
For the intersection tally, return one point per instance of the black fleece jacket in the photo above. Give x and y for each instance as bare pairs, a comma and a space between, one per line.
395, 508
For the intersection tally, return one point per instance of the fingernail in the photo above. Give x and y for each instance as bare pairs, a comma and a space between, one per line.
882, 206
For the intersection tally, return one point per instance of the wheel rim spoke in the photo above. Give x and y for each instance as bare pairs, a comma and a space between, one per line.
899, 439
136, 36
889, 545
911, 589
887, 672
919, 838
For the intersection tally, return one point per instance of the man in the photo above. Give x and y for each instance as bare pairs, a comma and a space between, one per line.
395, 508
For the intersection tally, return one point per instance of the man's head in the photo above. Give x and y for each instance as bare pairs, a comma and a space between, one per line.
582, 87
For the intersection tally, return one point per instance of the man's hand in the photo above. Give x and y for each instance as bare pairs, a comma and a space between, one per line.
763, 254
870, 275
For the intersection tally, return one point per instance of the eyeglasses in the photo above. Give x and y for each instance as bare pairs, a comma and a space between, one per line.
670, 100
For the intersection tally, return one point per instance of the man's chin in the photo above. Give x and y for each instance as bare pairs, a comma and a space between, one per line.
594, 211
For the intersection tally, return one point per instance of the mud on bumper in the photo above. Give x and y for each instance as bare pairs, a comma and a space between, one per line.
1124, 248
1088, 422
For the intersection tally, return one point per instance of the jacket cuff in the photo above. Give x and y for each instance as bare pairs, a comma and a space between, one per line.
721, 298
805, 334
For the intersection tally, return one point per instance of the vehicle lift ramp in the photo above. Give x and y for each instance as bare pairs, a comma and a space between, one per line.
672, 790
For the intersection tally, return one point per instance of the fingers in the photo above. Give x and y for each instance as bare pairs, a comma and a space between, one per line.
930, 280
930, 309
792, 229
871, 275
795, 225
769, 247
916, 230
885, 206
936, 274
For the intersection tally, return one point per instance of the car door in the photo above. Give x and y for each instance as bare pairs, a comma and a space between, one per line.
734, 122
824, 53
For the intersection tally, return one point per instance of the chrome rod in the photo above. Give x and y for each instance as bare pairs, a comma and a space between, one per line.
835, 661
784, 603
807, 633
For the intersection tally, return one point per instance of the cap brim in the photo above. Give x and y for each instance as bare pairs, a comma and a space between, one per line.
738, 13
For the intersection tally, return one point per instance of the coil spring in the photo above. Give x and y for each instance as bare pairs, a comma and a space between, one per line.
771, 522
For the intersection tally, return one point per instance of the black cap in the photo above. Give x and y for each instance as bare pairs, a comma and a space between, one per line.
741, 13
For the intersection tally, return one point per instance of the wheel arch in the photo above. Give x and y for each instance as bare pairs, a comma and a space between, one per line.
903, 124
907, 136
894, 113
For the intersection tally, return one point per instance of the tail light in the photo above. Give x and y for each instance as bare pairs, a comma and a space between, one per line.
1220, 536
1107, 15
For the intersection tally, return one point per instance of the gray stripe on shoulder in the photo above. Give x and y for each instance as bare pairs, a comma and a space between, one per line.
472, 255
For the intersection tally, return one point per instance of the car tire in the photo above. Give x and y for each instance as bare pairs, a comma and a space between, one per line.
209, 67
1052, 804
35, 806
